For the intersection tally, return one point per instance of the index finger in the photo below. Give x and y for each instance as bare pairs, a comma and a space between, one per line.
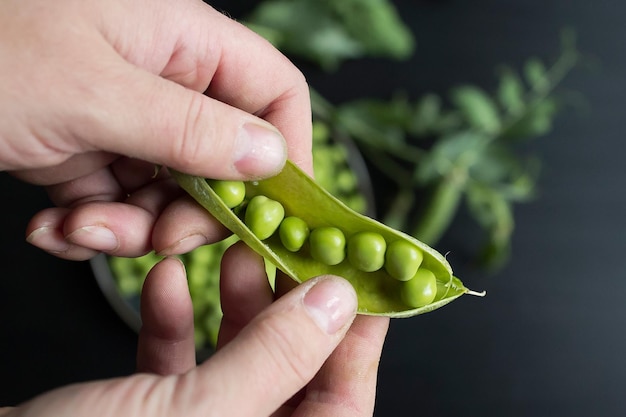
209, 52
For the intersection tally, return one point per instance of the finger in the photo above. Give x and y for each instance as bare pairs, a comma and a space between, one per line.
346, 384
74, 167
166, 339
115, 182
45, 231
110, 227
122, 229
134, 109
279, 351
233, 64
134, 174
216, 136
100, 185
183, 226
185, 130
244, 290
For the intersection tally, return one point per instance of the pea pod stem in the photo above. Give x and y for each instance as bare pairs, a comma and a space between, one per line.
476, 293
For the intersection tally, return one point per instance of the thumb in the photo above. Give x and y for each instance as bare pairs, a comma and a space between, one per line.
280, 351
166, 123
269, 361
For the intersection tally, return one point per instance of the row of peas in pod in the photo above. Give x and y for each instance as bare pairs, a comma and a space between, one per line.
335, 169
294, 193
366, 251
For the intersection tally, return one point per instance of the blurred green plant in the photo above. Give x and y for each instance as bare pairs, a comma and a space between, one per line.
439, 151
337, 171
328, 32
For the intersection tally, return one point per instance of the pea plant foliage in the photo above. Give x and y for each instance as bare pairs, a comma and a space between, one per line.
442, 151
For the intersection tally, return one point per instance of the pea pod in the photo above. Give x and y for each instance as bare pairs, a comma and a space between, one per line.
378, 292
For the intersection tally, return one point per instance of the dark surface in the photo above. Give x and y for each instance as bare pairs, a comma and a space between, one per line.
549, 338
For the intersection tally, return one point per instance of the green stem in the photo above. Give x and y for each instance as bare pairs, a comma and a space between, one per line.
397, 214
440, 210
361, 132
387, 166
555, 75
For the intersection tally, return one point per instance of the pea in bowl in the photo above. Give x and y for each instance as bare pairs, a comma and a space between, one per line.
338, 167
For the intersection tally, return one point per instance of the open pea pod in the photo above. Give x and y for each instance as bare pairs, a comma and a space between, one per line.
300, 196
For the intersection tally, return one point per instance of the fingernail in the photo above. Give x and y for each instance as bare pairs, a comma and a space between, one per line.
259, 151
184, 245
94, 237
48, 239
331, 303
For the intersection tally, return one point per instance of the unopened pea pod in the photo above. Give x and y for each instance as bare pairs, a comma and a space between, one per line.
378, 292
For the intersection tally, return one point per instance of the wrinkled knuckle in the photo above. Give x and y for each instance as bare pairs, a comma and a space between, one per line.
299, 84
189, 147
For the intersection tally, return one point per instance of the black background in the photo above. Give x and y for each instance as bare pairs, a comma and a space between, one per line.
548, 340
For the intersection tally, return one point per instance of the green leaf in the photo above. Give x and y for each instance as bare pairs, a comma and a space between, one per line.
425, 116
304, 28
493, 255
329, 32
394, 112
536, 74
477, 107
501, 169
495, 214
511, 92
537, 120
455, 152
375, 24
379, 124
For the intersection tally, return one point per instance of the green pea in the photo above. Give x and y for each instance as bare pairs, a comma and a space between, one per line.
263, 216
328, 245
232, 193
402, 260
330, 221
420, 290
293, 232
366, 251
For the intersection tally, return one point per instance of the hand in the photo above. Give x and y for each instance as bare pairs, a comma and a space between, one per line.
295, 356
94, 94
171, 83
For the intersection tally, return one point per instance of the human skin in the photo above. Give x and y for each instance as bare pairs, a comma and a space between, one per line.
176, 84
94, 95
297, 356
